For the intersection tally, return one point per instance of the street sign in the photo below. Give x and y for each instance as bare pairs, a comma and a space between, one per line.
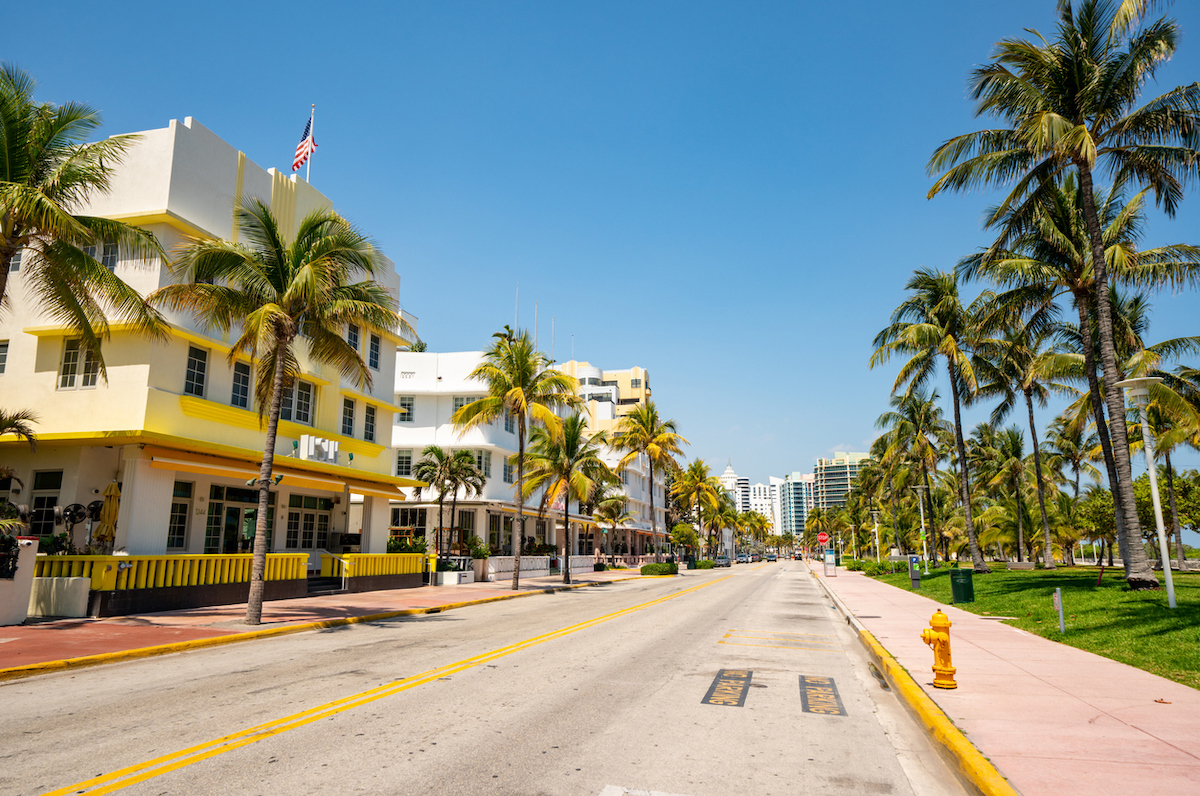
822, 537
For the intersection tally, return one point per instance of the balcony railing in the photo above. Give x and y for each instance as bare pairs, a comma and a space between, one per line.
109, 573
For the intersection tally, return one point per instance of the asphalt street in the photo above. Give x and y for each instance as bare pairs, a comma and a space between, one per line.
733, 681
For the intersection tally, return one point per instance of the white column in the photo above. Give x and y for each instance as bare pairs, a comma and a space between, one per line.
145, 506
375, 524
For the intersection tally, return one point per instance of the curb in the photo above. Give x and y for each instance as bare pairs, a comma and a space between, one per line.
975, 770
45, 667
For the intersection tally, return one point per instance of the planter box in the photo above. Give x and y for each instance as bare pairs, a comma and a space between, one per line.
66, 597
480, 567
455, 578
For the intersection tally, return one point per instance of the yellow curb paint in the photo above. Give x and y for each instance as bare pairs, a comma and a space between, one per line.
45, 667
973, 767
130, 775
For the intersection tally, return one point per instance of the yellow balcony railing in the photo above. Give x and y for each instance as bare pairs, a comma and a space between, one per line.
110, 573
362, 565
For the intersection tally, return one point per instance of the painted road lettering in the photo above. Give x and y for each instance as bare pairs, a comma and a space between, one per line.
820, 695
729, 688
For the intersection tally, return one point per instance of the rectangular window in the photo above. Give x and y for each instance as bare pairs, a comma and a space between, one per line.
109, 257
197, 364
14, 264
509, 472
635, 383
406, 403
241, 385
462, 400
373, 353
297, 403
79, 368
408, 518
3, 355
510, 422
348, 417
369, 423
90, 251
352, 336
212, 531
46, 485
181, 509
466, 521
483, 460
404, 462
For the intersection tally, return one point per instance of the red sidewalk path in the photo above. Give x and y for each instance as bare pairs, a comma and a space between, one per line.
1053, 719
22, 645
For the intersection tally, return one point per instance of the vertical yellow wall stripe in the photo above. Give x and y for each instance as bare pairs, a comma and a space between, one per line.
237, 193
283, 204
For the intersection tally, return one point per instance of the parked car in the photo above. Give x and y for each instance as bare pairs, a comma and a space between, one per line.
755, 557
772, 557
721, 561
743, 559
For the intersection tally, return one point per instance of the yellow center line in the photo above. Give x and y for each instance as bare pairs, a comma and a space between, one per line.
123, 778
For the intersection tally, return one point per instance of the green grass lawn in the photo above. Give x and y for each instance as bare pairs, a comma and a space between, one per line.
1136, 628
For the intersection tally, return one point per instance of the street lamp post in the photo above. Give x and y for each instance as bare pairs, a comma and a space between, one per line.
875, 517
920, 490
1139, 391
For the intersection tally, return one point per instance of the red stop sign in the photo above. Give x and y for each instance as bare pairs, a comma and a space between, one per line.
822, 537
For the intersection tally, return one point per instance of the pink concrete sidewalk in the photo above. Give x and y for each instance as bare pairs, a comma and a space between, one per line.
22, 645
1052, 718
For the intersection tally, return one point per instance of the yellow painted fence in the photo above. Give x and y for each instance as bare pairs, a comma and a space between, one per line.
110, 573
362, 565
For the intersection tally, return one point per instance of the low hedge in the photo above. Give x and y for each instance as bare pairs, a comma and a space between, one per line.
660, 569
705, 563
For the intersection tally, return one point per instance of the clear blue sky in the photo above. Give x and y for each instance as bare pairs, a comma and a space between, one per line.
731, 195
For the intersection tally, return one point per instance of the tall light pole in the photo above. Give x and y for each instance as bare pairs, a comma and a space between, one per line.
1139, 391
920, 490
875, 517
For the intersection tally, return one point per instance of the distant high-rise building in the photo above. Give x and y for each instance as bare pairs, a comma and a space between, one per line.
764, 499
835, 476
795, 501
737, 487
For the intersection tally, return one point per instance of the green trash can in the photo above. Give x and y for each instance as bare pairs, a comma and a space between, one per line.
691, 563
962, 586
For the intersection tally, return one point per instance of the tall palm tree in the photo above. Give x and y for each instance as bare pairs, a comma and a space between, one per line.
520, 382
562, 465
19, 422
277, 292
444, 472
698, 488
1011, 471
1073, 104
642, 433
612, 508
930, 324
46, 173
465, 477
1070, 445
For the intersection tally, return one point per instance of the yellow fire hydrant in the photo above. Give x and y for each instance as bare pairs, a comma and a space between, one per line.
937, 636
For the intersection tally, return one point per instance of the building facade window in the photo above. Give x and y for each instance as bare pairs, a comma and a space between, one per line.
352, 335
46, 485
462, 400
181, 509
233, 518
373, 352
483, 460
348, 417
466, 521
510, 422
3, 355
404, 462
509, 475
408, 518
241, 385
308, 522
80, 368
635, 383
14, 265
298, 403
108, 256
405, 402
197, 367
369, 423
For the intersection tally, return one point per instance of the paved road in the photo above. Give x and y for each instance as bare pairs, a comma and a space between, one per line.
593, 691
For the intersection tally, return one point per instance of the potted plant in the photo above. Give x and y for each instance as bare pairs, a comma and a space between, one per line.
479, 558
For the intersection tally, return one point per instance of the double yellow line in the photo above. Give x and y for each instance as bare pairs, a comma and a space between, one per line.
131, 775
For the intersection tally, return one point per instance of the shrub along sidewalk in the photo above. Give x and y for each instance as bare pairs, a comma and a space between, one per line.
1133, 627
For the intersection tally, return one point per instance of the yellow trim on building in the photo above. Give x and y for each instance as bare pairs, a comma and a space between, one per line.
163, 217
204, 409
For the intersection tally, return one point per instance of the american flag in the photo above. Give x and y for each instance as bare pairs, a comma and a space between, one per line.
305, 147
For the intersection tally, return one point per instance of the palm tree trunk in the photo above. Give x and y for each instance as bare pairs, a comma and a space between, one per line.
1179, 553
653, 519
963, 479
519, 523
1083, 303
1020, 523
258, 567
1048, 558
453, 514
932, 520
437, 537
1138, 572
567, 530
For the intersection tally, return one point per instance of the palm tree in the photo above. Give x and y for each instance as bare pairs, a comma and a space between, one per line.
1073, 104
520, 382
933, 323
444, 472
698, 488
614, 510
277, 292
19, 423
466, 477
1011, 471
641, 433
563, 465
46, 173
1069, 445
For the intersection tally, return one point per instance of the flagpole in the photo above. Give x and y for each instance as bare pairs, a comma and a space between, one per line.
311, 133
